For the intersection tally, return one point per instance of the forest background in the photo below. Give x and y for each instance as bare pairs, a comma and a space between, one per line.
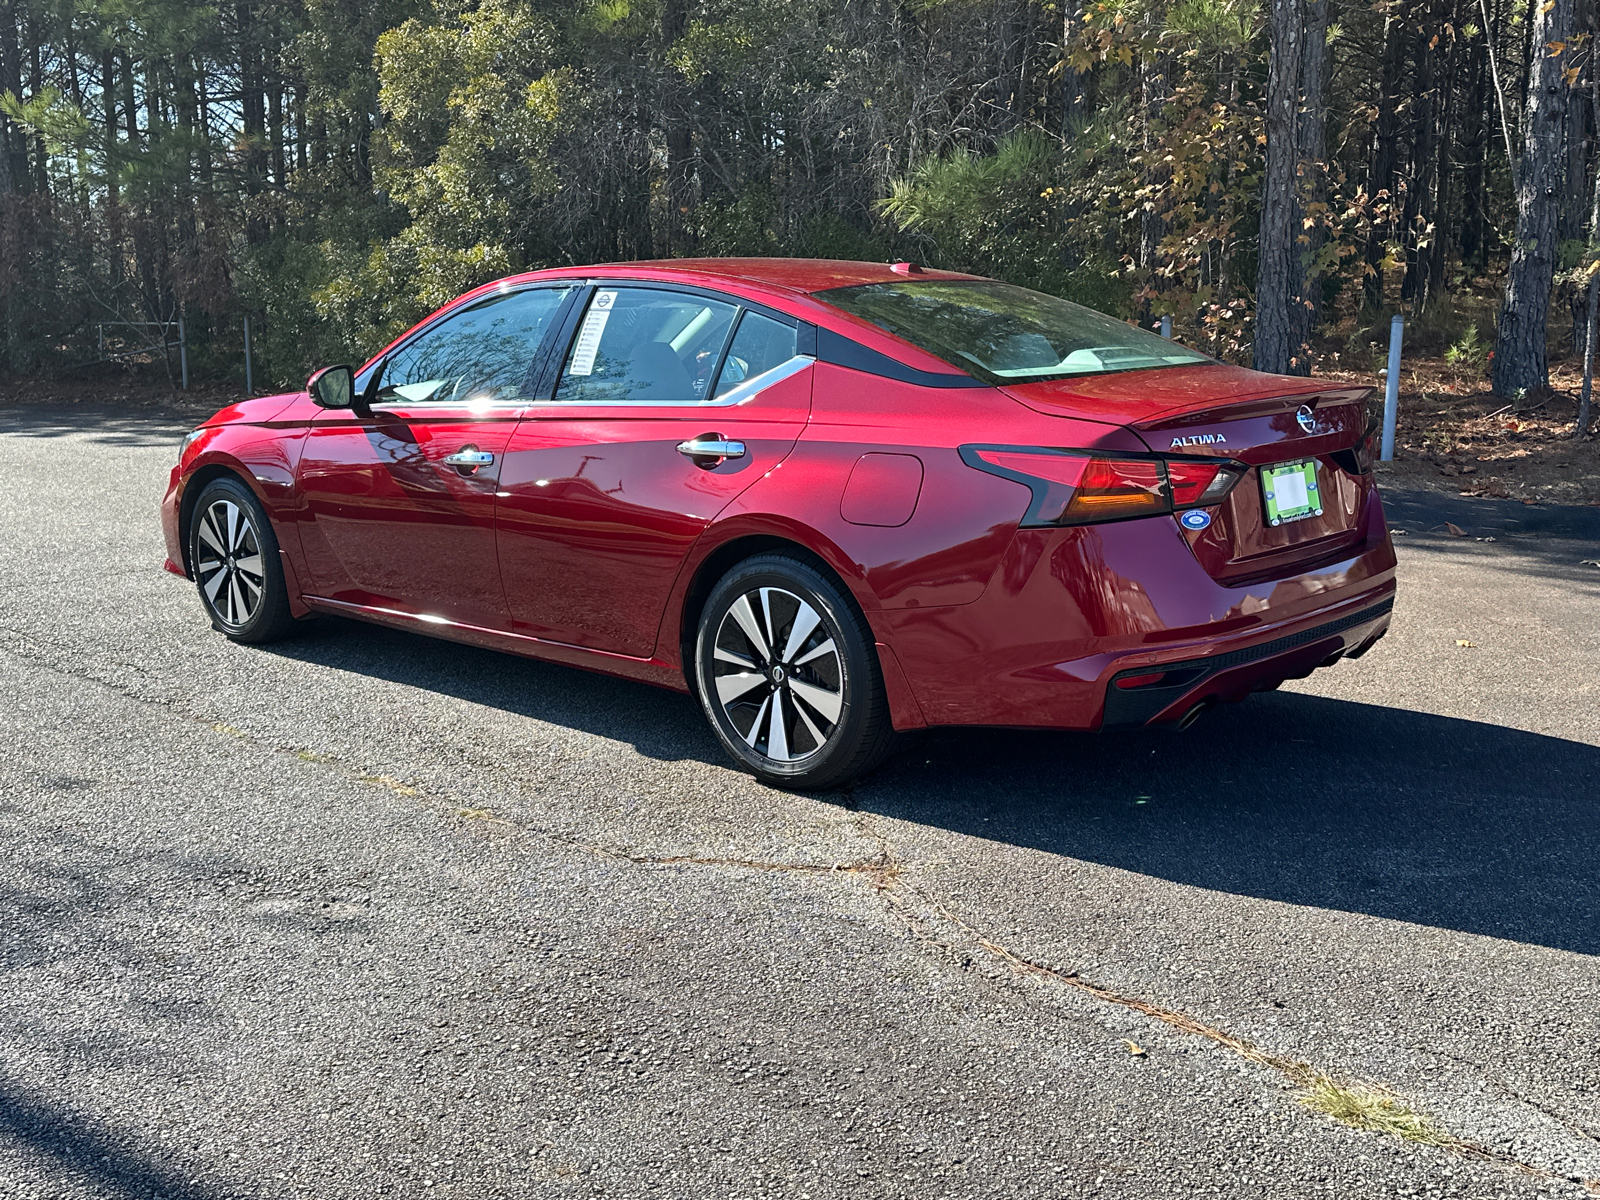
1278, 175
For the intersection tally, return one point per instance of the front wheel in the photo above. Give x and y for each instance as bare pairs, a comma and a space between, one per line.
788, 675
233, 554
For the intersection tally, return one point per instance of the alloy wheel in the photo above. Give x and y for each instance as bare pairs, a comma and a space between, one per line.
228, 563
778, 675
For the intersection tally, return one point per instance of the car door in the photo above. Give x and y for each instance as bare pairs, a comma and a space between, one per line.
399, 500
669, 403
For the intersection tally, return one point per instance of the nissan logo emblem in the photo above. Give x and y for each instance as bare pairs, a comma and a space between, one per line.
1306, 418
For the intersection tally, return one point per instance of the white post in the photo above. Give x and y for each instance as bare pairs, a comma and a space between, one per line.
183, 353
1166, 327
249, 383
1391, 393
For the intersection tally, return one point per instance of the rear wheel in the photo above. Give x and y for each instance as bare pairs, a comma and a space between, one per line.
233, 554
788, 676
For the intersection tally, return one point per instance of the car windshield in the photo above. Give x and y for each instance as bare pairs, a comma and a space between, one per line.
1001, 333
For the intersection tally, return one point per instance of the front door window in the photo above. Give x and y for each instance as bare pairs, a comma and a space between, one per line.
483, 354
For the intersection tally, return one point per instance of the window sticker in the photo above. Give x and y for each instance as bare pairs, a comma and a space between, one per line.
594, 325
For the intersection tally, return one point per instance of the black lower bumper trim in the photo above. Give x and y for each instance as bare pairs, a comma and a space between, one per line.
1130, 708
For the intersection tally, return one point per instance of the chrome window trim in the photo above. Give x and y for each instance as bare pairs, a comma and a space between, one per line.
743, 394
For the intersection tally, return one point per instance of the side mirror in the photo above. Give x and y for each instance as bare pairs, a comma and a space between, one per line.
332, 387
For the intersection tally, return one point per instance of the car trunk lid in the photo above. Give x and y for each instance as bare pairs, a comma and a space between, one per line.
1259, 420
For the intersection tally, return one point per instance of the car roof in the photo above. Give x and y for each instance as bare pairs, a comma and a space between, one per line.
796, 275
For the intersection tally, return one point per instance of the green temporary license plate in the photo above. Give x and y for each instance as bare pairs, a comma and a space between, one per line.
1290, 492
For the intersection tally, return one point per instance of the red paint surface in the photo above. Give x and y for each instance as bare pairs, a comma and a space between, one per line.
586, 539
598, 510
882, 490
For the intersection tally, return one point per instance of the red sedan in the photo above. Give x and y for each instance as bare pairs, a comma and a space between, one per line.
831, 500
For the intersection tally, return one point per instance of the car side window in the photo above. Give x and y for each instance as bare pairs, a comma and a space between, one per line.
759, 345
642, 344
485, 352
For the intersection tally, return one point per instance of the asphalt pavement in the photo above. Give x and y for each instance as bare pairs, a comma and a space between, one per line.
366, 914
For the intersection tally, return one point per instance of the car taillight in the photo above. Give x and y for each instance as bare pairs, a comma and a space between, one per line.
1081, 487
1112, 488
1201, 484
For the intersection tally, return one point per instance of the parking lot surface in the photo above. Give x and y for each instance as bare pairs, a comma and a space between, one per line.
366, 914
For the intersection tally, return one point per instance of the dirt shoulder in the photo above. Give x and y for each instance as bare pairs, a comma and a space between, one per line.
1453, 435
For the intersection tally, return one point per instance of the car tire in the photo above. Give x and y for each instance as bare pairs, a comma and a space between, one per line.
786, 670
233, 559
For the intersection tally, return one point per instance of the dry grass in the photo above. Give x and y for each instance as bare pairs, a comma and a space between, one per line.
390, 782
1373, 1109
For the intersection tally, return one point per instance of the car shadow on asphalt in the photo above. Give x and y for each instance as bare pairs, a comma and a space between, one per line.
1302, 799
81, 1148
1551, 540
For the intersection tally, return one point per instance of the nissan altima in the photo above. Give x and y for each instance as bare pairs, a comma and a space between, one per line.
830, 500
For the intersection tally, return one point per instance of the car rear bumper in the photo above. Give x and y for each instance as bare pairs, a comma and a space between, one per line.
1069, 612
1181, 689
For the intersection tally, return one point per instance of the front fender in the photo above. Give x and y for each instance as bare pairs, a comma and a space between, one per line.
264, 458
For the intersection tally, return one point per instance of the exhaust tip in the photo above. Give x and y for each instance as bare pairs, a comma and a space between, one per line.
1193, 715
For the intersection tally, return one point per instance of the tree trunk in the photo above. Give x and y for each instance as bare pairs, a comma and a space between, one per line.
1385, 144
1519, 350
202, 110
1279, 279
1474, 143
677, 133
275, 122
108, 100
1443, 176
300, 127
13, 139
1154, 73
252, 109
1419, 193
1312, 141
1574, 193
1072, 89
130, 110
1584, 398
36, 84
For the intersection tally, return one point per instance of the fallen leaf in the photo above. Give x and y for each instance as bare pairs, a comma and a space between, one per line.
1467, 644
1455, 530
1589, 562
1134, 1048
1397, 533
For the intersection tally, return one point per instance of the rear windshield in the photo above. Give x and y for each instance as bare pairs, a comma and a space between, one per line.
1002, 333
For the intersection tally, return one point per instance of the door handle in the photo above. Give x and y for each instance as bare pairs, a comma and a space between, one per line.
470, 457
710, 445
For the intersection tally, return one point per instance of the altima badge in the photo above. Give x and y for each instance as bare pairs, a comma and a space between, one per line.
1198, 439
